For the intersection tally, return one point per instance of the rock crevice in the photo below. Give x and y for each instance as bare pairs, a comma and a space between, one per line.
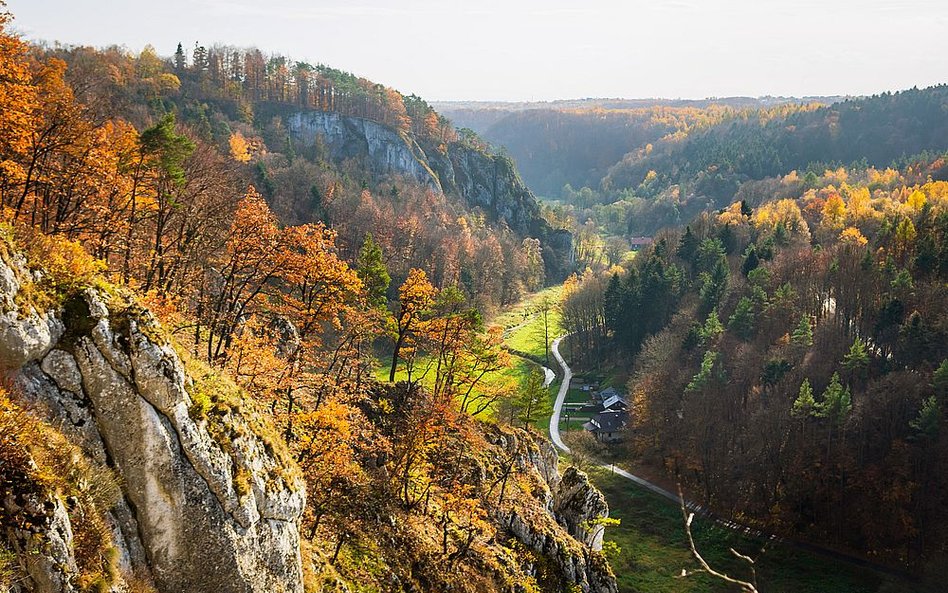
199, 511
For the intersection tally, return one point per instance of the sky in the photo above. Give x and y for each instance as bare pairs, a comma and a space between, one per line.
530, 50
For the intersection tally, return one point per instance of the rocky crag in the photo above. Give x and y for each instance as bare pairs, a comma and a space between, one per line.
572, 501
207, 502
487, 182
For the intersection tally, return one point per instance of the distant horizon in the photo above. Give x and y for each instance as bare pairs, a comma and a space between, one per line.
545, 50
708, 98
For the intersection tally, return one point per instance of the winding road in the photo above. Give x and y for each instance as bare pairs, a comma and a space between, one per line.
558, 440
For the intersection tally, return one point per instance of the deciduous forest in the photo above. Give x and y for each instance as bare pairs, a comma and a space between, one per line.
268, 325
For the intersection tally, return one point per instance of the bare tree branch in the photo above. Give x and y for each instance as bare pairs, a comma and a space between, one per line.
747, 587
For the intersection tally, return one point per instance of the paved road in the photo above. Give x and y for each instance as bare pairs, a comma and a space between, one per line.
560, 397
558, 440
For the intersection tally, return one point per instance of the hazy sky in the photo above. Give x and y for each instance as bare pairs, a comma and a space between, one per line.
546, 49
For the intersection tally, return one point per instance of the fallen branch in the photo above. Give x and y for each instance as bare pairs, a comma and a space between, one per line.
746, 587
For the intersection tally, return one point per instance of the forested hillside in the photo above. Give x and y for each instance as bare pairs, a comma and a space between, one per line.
577, 142
788, 357
555, 148
188, 398
237, 108
668, 182
877, 130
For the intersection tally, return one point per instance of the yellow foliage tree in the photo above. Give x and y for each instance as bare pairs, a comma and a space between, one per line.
852, 236
834, 210
17, 103
785, 213
858, 205
916, 200
239, 148
415, 296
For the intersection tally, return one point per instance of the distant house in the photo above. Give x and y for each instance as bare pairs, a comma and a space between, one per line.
608, 395
614, 403
607, 426
639, 243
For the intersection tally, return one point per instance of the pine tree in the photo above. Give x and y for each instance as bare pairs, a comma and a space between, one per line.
927, 422
751, 261
370, 266
180, 61
837, 402
704, 374
742, 321
803, 334
857, 358
612, 303
713, 285
199, 58
804, 406
688, 245
940, 378
711, 329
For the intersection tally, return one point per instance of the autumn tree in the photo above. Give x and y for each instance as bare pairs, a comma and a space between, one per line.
415, 297
239, 148
533, 399
485, 356
252, 259
316, 288
18, 101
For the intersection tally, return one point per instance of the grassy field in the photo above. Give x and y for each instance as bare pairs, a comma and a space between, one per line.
654, 551
523, 336
523, 323
509, 379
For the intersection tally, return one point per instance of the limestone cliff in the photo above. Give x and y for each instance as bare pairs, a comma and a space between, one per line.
485, 182
207, 502
381, 149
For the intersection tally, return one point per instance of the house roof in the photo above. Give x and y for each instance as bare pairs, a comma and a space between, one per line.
606, 422
614, 402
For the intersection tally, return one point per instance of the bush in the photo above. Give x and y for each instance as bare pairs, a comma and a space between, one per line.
66, 266
36, 458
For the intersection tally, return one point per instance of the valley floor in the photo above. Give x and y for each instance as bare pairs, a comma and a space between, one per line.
653, 551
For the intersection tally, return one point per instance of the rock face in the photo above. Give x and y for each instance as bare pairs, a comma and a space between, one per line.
486, 182
573, 501
46, 545
577, 503
382, 149
207, 503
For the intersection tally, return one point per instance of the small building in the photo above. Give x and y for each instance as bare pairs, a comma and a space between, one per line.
614, 403
639, 243
607, 426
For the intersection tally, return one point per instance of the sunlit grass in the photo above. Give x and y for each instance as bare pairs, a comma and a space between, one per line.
524, 324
